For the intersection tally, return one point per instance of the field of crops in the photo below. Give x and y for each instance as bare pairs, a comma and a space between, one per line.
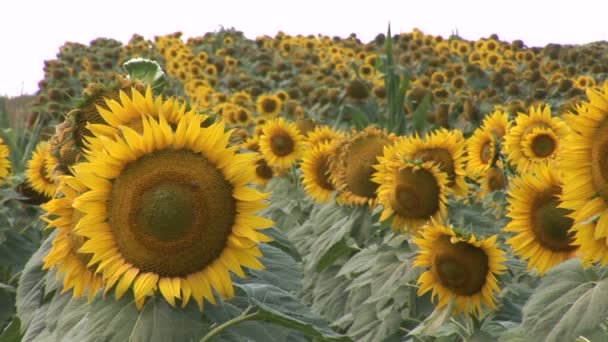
308, 188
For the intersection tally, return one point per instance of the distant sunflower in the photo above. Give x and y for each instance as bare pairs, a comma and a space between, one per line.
315, 172
493, 179
251, 143
463, 270
5, 162
263, 171
269, 106
71, 266
39, 171
323, 133
524, 147
543, 229
179, 193
412, 194
446, 148
352, 166
281, 143
585, 167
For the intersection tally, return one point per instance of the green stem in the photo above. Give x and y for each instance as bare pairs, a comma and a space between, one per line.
218, 330
413, 310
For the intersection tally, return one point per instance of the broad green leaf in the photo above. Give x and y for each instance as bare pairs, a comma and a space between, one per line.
147, 71
419, 117
281, 269
12, 332
336, 251
569, 302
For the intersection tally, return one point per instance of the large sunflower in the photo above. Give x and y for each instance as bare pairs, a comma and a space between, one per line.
412, 194
5, 162
585, 167
446, 148
315, 172
463, 270
40, 168
171, 193
71, 265
281, 143
351, 166
535, 140
543, 229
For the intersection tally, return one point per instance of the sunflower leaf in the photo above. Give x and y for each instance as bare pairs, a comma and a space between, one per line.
568, 303
147, 71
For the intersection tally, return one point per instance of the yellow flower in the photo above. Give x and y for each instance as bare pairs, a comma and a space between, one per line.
5, 162
543, 229
169, 192
324, 133
460, 270
39, 171
281, 143
269, 106
315, 172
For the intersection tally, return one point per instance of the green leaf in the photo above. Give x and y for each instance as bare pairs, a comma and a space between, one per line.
147, 71
338, 250
568, 303
419, 117
12, 332
280, 269
279, 307
359, 119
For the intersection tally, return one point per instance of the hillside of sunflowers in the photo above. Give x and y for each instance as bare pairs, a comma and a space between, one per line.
308, 188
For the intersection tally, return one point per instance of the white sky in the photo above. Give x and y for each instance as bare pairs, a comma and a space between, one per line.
32, 31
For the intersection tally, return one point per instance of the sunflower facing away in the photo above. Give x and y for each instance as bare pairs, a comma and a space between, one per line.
164, 192
412, 194
71, 265
460, 269
543, 229
39, 171
315, 172
585, 165
281, 143
5, 162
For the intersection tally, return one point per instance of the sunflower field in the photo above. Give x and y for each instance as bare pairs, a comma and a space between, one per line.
308, 188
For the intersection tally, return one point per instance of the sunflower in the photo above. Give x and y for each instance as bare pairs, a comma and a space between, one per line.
40, 168
444, 147
543, 229
5, 162
71, 265
281, 143
497, 124
324, 133
412, 194
351, 166
531, 139
493, 179
315, 172
170, 192
251, 144
482, 149
263, 171
584, 163
269, 106
461, 270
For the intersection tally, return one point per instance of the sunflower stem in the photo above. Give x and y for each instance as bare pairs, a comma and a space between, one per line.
413, 302
220, 328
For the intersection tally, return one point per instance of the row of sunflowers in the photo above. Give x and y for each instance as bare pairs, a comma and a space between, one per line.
413, 187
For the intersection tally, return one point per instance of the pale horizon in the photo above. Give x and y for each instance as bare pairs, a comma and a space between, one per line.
536, 23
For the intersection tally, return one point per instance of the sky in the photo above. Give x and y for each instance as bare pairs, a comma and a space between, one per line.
31, 31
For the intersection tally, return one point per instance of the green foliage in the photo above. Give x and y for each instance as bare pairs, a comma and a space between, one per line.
147, 71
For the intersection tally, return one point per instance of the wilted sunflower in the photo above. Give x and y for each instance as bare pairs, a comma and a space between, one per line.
269, 106
40, 168
444, 147
5, 162
412, 194
543, 229
315, 172
351, 166
281, 143
585, 168
323, 133
535, 139
463, 270
171, 193
71, 265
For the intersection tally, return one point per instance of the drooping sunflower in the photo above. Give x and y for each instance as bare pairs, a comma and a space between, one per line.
323, 133
463, 270
535, 139
444, 147
351, 166
315, 172
269, 106
181, 193
40, 168
5, 162
71, 266
585, 167
412, 194
543, 229
281, 143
